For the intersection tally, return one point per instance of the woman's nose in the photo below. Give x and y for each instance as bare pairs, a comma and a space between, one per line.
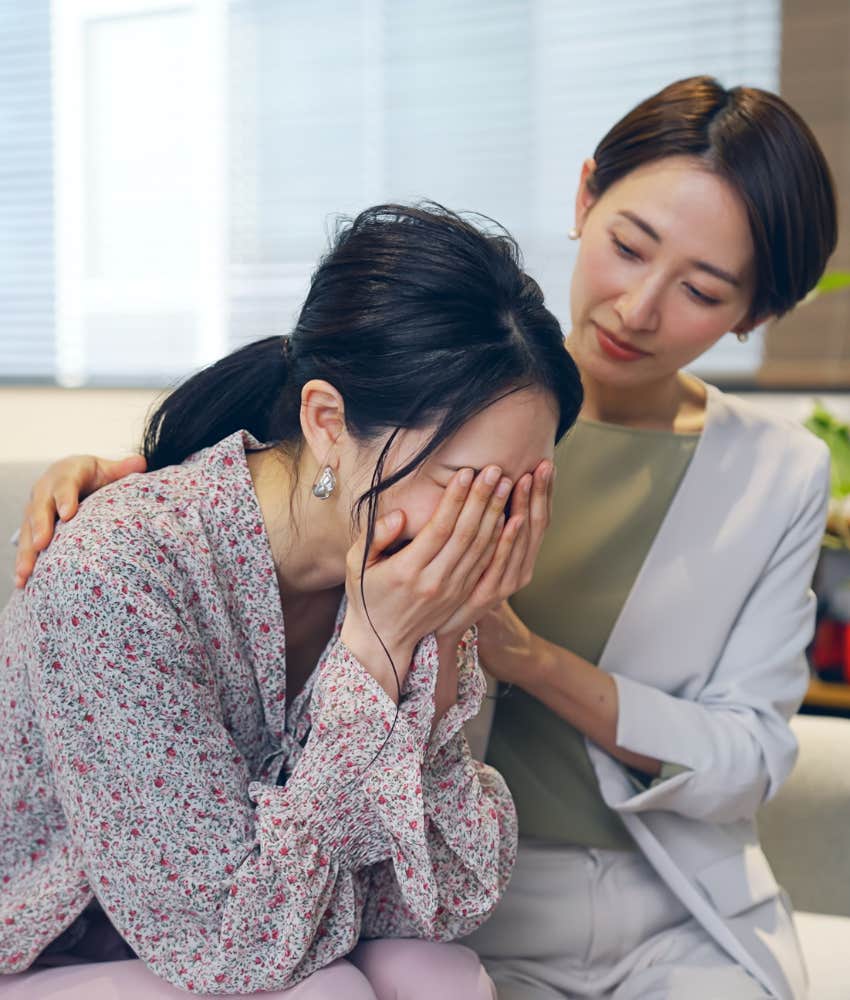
638, 305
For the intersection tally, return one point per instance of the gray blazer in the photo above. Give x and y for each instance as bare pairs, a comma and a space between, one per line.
708, 657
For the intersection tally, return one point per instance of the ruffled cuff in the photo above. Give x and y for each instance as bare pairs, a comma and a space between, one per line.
417, 703
357, 787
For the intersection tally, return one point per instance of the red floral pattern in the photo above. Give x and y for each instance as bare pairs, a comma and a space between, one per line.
143, 727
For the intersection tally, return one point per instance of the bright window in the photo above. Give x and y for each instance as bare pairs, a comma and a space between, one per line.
169, 170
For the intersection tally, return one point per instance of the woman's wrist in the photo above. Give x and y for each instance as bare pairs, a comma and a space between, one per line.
375, 657
539, 661
523, 662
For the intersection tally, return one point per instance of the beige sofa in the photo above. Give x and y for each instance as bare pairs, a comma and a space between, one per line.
805, 830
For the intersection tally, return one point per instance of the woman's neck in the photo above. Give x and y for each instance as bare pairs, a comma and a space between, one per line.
307, 543
676, 403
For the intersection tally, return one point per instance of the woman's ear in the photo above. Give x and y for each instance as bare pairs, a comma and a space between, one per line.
747, 325
584, 199
322, 420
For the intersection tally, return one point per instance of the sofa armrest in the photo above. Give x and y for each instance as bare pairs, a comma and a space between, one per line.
16, 481
805, 830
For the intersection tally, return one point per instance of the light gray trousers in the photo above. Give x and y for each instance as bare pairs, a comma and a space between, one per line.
581, 922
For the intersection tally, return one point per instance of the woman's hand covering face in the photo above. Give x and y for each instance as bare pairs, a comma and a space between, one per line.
466, 560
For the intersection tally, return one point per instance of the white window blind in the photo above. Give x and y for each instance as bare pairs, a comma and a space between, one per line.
27, 327
202, 148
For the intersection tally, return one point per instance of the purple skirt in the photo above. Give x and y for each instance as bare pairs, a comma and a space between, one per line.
90, 938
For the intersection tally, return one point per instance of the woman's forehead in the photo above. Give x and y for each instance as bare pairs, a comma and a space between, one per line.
515, 432
680, 202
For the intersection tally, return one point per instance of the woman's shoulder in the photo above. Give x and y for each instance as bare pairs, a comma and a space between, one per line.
767, 431
140, 523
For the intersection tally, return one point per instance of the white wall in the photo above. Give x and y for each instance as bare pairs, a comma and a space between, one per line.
40, 424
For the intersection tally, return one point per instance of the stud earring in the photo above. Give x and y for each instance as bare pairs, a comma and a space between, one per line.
325, 484
742, 337
573, 234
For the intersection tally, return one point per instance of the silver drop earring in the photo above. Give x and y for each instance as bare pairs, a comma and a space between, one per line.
325, 484
573, 234
742, 337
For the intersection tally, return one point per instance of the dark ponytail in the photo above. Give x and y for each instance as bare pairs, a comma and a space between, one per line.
417, 317
244, 391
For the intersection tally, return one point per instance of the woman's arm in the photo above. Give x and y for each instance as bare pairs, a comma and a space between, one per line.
219, 883
468, 817
572, 687
733, 743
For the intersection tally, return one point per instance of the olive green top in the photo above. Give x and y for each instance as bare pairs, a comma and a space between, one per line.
613, 490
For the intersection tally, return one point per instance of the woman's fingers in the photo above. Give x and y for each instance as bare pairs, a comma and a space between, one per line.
108, 470
463, 556
483, 591
437, 532
25, 556
387, 530
539, 515
510, 567
533, 501
491, 584
509, 578
64, 503
57, 494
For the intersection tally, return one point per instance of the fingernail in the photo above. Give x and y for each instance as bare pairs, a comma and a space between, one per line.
64, 510
465, 477
504, 487
394, 519
491, 475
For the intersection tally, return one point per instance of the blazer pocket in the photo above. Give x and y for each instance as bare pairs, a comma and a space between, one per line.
738, 881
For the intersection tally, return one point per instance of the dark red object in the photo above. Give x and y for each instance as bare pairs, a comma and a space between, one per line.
830, 651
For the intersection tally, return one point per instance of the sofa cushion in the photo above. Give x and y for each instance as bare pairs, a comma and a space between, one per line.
804, 829
826, 946
16, 479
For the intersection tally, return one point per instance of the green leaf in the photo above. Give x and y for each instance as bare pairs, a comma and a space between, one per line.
837, 437
832, 281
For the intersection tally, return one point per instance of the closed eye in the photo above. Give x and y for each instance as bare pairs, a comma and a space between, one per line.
701, 297
625, 251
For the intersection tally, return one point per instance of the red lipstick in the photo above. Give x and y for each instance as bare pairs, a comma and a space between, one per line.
617, 349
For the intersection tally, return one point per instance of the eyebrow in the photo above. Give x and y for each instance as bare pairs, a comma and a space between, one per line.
702, 265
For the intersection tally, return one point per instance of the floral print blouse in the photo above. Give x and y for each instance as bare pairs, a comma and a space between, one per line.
148, 757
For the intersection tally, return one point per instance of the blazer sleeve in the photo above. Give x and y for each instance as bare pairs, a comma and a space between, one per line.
468, 818
733, 743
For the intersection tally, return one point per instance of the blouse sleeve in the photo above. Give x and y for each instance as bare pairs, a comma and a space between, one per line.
217, 888
469, 819
219, 884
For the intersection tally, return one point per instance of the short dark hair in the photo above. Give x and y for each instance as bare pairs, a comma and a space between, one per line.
764, 150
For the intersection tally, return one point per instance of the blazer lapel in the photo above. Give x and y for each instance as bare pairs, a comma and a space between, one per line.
668, 627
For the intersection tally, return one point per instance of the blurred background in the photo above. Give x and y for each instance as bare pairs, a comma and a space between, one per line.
169, 170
